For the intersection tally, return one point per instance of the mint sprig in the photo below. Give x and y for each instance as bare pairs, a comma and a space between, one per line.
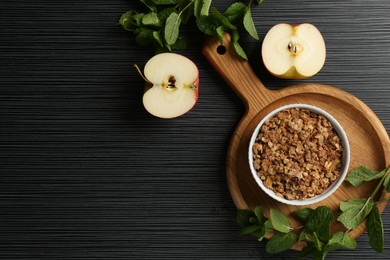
159, 23
315, 231
258, 225
356, 211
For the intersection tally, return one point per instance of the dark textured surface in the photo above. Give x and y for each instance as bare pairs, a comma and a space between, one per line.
86, 173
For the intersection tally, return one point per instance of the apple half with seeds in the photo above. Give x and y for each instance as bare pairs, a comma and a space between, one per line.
172, 85
293, 51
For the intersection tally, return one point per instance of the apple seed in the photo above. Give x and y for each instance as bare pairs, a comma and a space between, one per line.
171, 82
170, 96
294, 48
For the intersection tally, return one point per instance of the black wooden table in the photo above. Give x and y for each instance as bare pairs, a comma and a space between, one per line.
87, 173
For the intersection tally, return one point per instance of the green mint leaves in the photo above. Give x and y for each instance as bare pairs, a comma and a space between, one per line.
363, 174
253, 223
315, 231
279, 221
235, 12
202, 7
285, 239
340, 240
280, 242
171, 30
256, 224
318, 222
159, 23
248, 23
375, 230
354, 212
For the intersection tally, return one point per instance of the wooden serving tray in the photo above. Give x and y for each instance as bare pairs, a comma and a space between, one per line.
369, 141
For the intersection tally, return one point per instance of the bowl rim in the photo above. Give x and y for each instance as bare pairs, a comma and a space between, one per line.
345, 155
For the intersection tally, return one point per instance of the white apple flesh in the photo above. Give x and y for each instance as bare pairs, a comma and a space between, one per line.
175, 81
293, 51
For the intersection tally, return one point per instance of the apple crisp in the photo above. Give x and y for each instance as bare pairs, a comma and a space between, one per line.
297, 154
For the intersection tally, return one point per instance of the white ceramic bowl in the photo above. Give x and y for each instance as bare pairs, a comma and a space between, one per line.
344, 164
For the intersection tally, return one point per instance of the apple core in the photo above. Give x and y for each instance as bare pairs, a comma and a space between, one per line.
174, 79
293, 51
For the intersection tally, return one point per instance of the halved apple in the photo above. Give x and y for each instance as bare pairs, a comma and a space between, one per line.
293, 51
173, 85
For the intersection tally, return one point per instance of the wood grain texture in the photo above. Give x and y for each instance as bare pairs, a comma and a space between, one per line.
369, 141
86, 173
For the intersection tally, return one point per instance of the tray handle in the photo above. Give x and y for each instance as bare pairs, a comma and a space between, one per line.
237, 72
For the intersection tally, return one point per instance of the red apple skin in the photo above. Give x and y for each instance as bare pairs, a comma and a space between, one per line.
196, 84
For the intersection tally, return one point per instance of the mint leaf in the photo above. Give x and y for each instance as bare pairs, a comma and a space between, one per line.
363, 174
253, 222
354, 211
259, 212
165, 13
243, 217
137, 19
220, 32
202, 7
171, 32
127, 21
246, 217
151, 19
126, 17
248, 23
158, 38
222, 19
375, 230
207, 24
279, 221
166, 2
303, 214
319, 222
144, 37
171, 14
305, 236
340, 240
180, 44
265, 229
251, 230
239, 50
235, 12
237, 47
318, 249
317, 242
280, 242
